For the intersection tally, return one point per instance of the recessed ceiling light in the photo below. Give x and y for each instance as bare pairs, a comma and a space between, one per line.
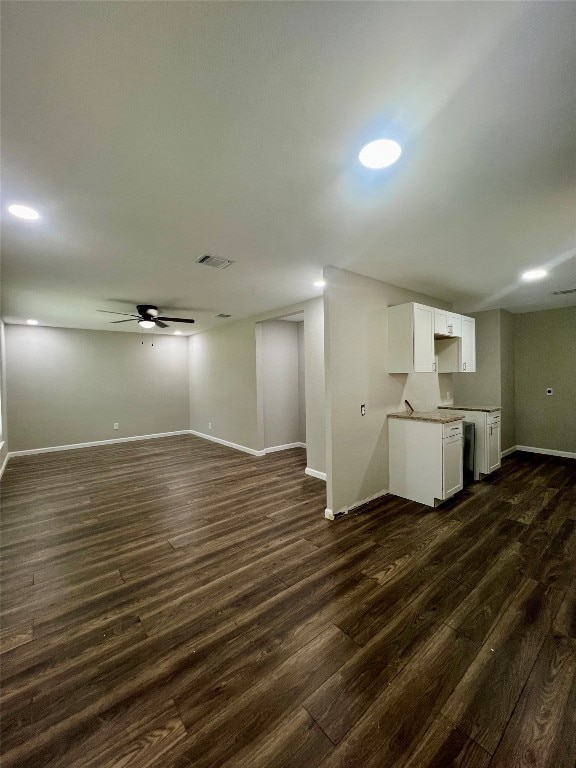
146, 324
320, 283
31, 322
534, 274
23, 212
177, 333
380, 153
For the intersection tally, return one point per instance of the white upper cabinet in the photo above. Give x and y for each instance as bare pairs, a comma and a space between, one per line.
411, 339
413, 348
447, 324
468, 346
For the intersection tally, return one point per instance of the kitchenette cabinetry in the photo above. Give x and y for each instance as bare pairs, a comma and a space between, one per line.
422, 339
425, 456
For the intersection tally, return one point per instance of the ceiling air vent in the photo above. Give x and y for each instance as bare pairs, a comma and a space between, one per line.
563, 293
214, 261
222, 315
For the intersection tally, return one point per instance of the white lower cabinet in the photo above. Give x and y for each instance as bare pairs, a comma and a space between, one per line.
425, 459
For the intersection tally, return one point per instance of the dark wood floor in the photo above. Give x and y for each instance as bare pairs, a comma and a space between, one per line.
175, 603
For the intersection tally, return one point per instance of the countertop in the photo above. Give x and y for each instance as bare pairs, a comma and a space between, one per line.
483, 408
435, 417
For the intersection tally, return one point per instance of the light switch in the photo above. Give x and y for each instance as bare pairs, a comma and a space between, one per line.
363, 410
549, 391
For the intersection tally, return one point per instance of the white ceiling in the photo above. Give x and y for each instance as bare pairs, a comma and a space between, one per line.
147, 134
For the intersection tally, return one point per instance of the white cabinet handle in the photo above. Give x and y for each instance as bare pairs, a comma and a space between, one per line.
450, 330
464, 366
434, 366
491, 430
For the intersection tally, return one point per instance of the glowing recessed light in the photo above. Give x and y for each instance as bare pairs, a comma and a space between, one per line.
31, 322
177, 333
534, 274
320, 283
146, 324
380, 153
23, 212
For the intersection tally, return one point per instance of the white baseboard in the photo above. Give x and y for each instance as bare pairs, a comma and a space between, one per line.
546, 451
315, 473
285, 447
329, 514
508, 451
227, 443
3, 467
73, 446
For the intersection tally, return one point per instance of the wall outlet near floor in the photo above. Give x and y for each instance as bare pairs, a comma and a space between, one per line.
209, 425
549, 391
116, 425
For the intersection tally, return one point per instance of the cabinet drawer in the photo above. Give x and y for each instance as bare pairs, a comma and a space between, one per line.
452, 429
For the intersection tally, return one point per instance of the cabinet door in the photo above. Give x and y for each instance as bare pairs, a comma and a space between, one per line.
468, 349
441, 322
451, 467
494, 452
454, 324
423, 339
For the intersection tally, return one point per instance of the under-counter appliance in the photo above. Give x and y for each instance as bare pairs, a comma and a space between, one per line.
425, 455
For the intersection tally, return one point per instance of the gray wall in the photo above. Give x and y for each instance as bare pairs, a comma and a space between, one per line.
280, 375
301, 385
223, 382
545, 344
356, 373
70, 386
482, 387
493, 381
507, 380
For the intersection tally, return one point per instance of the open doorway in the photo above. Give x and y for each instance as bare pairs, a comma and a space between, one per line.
281, 383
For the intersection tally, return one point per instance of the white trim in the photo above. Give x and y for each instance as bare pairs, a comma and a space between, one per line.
96, 442
285, 447
329, 514
3, 467
546, 451
228, 444
508, 451
315, 473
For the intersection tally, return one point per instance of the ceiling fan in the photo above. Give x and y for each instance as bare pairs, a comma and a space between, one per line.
147, 317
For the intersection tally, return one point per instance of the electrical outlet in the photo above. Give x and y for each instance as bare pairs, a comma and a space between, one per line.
116, 425
209, 425
363, 410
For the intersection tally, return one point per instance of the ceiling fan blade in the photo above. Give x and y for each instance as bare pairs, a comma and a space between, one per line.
108, 312
123, 321
160, 324
176, 319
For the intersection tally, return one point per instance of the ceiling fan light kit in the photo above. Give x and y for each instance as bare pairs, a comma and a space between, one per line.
148, 317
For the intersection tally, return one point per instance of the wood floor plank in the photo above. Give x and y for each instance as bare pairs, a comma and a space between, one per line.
399, 717
533, 735
444, 746
483, 702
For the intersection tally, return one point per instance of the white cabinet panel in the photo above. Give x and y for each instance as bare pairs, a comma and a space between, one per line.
423, 339
468, 347
494, 452
410, 339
